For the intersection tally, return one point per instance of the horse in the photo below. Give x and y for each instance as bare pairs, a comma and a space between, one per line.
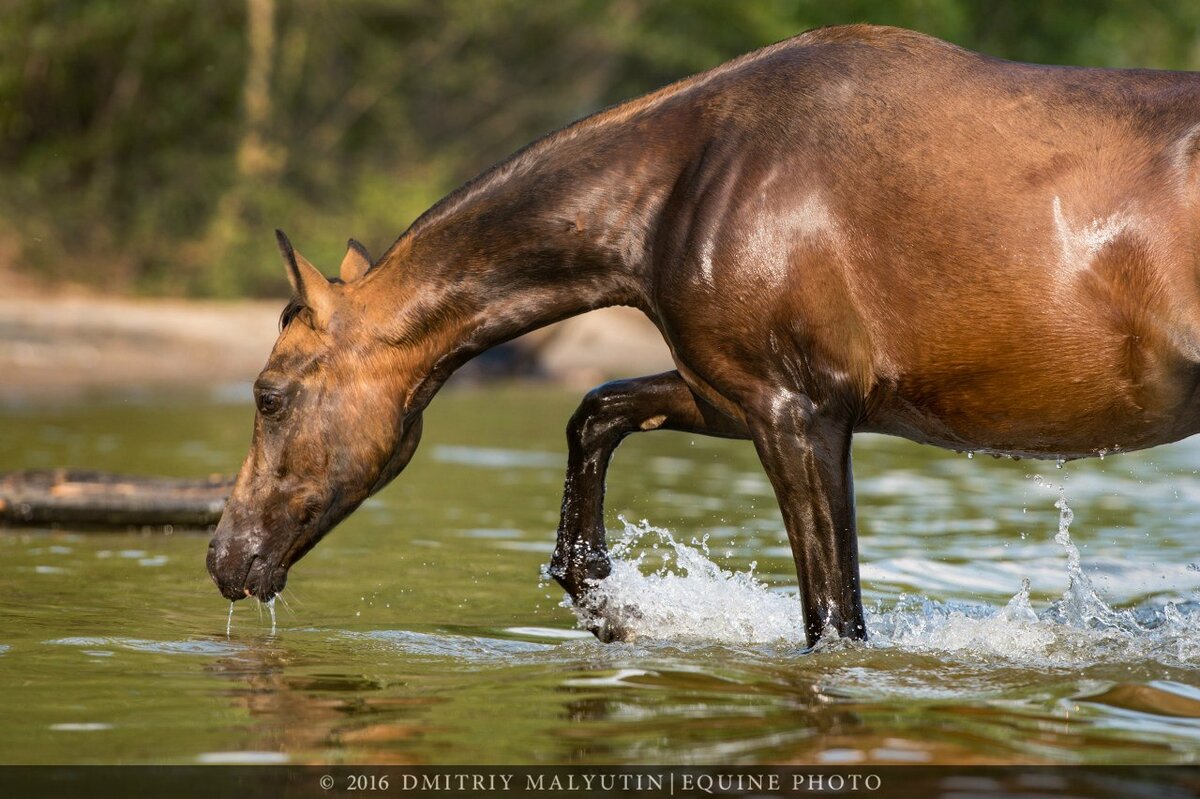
858, 229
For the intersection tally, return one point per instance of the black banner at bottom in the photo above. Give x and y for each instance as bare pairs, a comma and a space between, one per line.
556, 782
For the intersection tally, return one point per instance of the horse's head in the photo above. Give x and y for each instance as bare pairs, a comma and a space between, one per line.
331, 429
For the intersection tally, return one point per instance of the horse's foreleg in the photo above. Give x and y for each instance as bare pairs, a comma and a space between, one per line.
806, 454
606, 416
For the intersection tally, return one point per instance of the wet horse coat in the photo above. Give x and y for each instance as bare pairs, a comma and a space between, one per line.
858, 229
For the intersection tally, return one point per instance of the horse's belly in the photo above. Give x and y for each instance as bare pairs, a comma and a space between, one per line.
1047, 408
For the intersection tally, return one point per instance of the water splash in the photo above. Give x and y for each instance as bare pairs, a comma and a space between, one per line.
270, 603
229, 622
1081, 605
688, 595
661, 588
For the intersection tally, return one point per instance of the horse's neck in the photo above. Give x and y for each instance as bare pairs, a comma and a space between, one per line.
557, 231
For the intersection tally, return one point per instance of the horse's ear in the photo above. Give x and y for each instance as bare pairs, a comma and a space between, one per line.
356, 263
310, 285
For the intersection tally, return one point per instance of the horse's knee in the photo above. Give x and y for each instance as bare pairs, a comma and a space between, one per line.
598, 420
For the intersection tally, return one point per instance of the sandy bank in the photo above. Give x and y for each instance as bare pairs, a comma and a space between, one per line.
68, 347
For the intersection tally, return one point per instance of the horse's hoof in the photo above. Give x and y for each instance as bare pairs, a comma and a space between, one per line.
602, 632
603, 620
607, 632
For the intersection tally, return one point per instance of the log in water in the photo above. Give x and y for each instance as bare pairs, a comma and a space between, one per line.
90, 499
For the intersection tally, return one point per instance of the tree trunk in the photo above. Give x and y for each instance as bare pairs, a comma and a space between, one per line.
257, 159
84, 499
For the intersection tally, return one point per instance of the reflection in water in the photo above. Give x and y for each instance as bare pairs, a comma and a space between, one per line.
424, 636
312, 715
1159, 698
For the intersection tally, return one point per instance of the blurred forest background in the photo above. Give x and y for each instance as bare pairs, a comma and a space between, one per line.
152, 147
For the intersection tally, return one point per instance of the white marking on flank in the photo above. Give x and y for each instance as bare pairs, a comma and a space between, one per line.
1079, 245
813, 218
706, 260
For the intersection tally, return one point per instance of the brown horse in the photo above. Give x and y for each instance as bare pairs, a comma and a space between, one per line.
858, 229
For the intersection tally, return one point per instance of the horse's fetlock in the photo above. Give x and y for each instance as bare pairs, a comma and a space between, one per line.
597, 565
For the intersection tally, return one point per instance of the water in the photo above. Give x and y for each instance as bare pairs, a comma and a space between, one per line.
1017, 612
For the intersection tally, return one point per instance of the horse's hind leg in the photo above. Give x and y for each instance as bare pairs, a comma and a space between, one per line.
606, 416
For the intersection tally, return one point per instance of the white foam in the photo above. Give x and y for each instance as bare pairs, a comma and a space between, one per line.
688, 595
661, 588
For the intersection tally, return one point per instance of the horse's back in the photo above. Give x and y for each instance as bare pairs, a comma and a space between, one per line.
991, 254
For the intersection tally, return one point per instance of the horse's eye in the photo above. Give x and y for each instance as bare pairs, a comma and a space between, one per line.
269, 403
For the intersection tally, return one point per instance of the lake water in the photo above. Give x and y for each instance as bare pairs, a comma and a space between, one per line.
1002, 629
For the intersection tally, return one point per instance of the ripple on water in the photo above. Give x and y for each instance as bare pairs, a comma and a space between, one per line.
494, 458
248, 758
618, 679
459, 647
41, 569
492, 532
81, 726
193, 647
1159, 697
556, 633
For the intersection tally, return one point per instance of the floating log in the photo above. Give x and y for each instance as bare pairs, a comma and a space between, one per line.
87, 499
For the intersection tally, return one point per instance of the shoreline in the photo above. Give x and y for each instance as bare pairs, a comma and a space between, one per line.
68, 347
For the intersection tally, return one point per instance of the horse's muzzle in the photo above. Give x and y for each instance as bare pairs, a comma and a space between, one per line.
243, 572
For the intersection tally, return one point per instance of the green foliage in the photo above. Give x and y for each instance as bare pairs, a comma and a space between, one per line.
133, 155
